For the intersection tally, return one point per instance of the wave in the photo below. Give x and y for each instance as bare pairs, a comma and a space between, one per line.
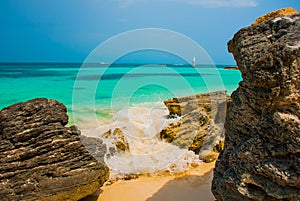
147, 154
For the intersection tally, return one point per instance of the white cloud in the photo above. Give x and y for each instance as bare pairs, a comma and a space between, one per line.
203, 3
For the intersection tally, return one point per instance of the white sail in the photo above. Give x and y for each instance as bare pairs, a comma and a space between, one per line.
194, 61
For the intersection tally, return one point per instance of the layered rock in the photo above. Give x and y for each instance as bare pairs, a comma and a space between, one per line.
201, 124
262, 141
41, 158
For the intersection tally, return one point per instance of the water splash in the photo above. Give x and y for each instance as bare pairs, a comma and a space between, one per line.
148, 154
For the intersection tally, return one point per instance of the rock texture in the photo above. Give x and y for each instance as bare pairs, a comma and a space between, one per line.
118, 139
201, 124
261, 159
272, 15
41, 159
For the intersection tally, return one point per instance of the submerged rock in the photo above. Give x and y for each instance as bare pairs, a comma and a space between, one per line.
41, 158
201, 124
262, 142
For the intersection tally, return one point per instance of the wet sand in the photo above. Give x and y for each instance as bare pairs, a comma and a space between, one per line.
192, 186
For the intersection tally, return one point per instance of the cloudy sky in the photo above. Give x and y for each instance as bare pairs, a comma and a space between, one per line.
68, 30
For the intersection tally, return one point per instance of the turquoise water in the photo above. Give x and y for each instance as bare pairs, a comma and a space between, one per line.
103, 90
130, 97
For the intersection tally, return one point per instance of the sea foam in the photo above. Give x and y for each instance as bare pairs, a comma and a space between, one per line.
148, 154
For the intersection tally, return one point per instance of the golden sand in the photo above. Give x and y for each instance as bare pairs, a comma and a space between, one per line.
192, 186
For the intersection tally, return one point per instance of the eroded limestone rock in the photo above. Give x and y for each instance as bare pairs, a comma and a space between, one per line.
262, 141
201, 123
41, 158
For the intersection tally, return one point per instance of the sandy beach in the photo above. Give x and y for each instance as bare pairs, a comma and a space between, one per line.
194, 185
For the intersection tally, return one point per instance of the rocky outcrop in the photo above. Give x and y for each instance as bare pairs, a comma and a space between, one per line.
272, 15
214, 104
262, 141
41, 158
201, 122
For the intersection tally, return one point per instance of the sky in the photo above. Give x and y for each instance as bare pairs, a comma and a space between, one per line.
69, 30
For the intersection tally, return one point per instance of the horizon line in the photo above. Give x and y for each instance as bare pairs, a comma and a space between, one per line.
102, 63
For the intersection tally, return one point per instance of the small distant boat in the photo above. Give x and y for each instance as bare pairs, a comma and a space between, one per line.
194, 62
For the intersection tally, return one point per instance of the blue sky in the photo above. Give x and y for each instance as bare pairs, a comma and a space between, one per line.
68, 30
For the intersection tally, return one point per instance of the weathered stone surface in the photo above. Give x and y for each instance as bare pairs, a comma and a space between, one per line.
41, 159
272, 15
95, 147
214, 104
262, 142
201, 123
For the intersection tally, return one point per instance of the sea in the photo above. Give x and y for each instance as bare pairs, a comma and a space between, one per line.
101, 97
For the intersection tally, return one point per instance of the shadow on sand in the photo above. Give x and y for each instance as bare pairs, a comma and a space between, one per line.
191, 188
93, 197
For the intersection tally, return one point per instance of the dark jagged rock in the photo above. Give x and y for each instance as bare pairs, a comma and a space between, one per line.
41, 159
262, 141
201, 123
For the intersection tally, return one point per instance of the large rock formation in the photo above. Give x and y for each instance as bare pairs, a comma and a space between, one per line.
201, 124
261, 160
41, 159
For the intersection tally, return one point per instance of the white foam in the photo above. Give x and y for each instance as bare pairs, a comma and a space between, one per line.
148, 154
168, 158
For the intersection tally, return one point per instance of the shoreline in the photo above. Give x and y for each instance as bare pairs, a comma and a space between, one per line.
193, 184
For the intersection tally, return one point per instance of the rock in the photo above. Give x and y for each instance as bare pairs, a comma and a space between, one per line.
219, 146
41, 158
118, 139
169, 133
214, 104
231, 68
210, 157
272, 15
95, 147
200, 127
262, 142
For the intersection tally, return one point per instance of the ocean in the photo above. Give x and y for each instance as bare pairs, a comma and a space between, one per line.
100, 97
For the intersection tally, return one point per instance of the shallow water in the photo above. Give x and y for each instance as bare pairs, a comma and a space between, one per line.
108, 87
99, 98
